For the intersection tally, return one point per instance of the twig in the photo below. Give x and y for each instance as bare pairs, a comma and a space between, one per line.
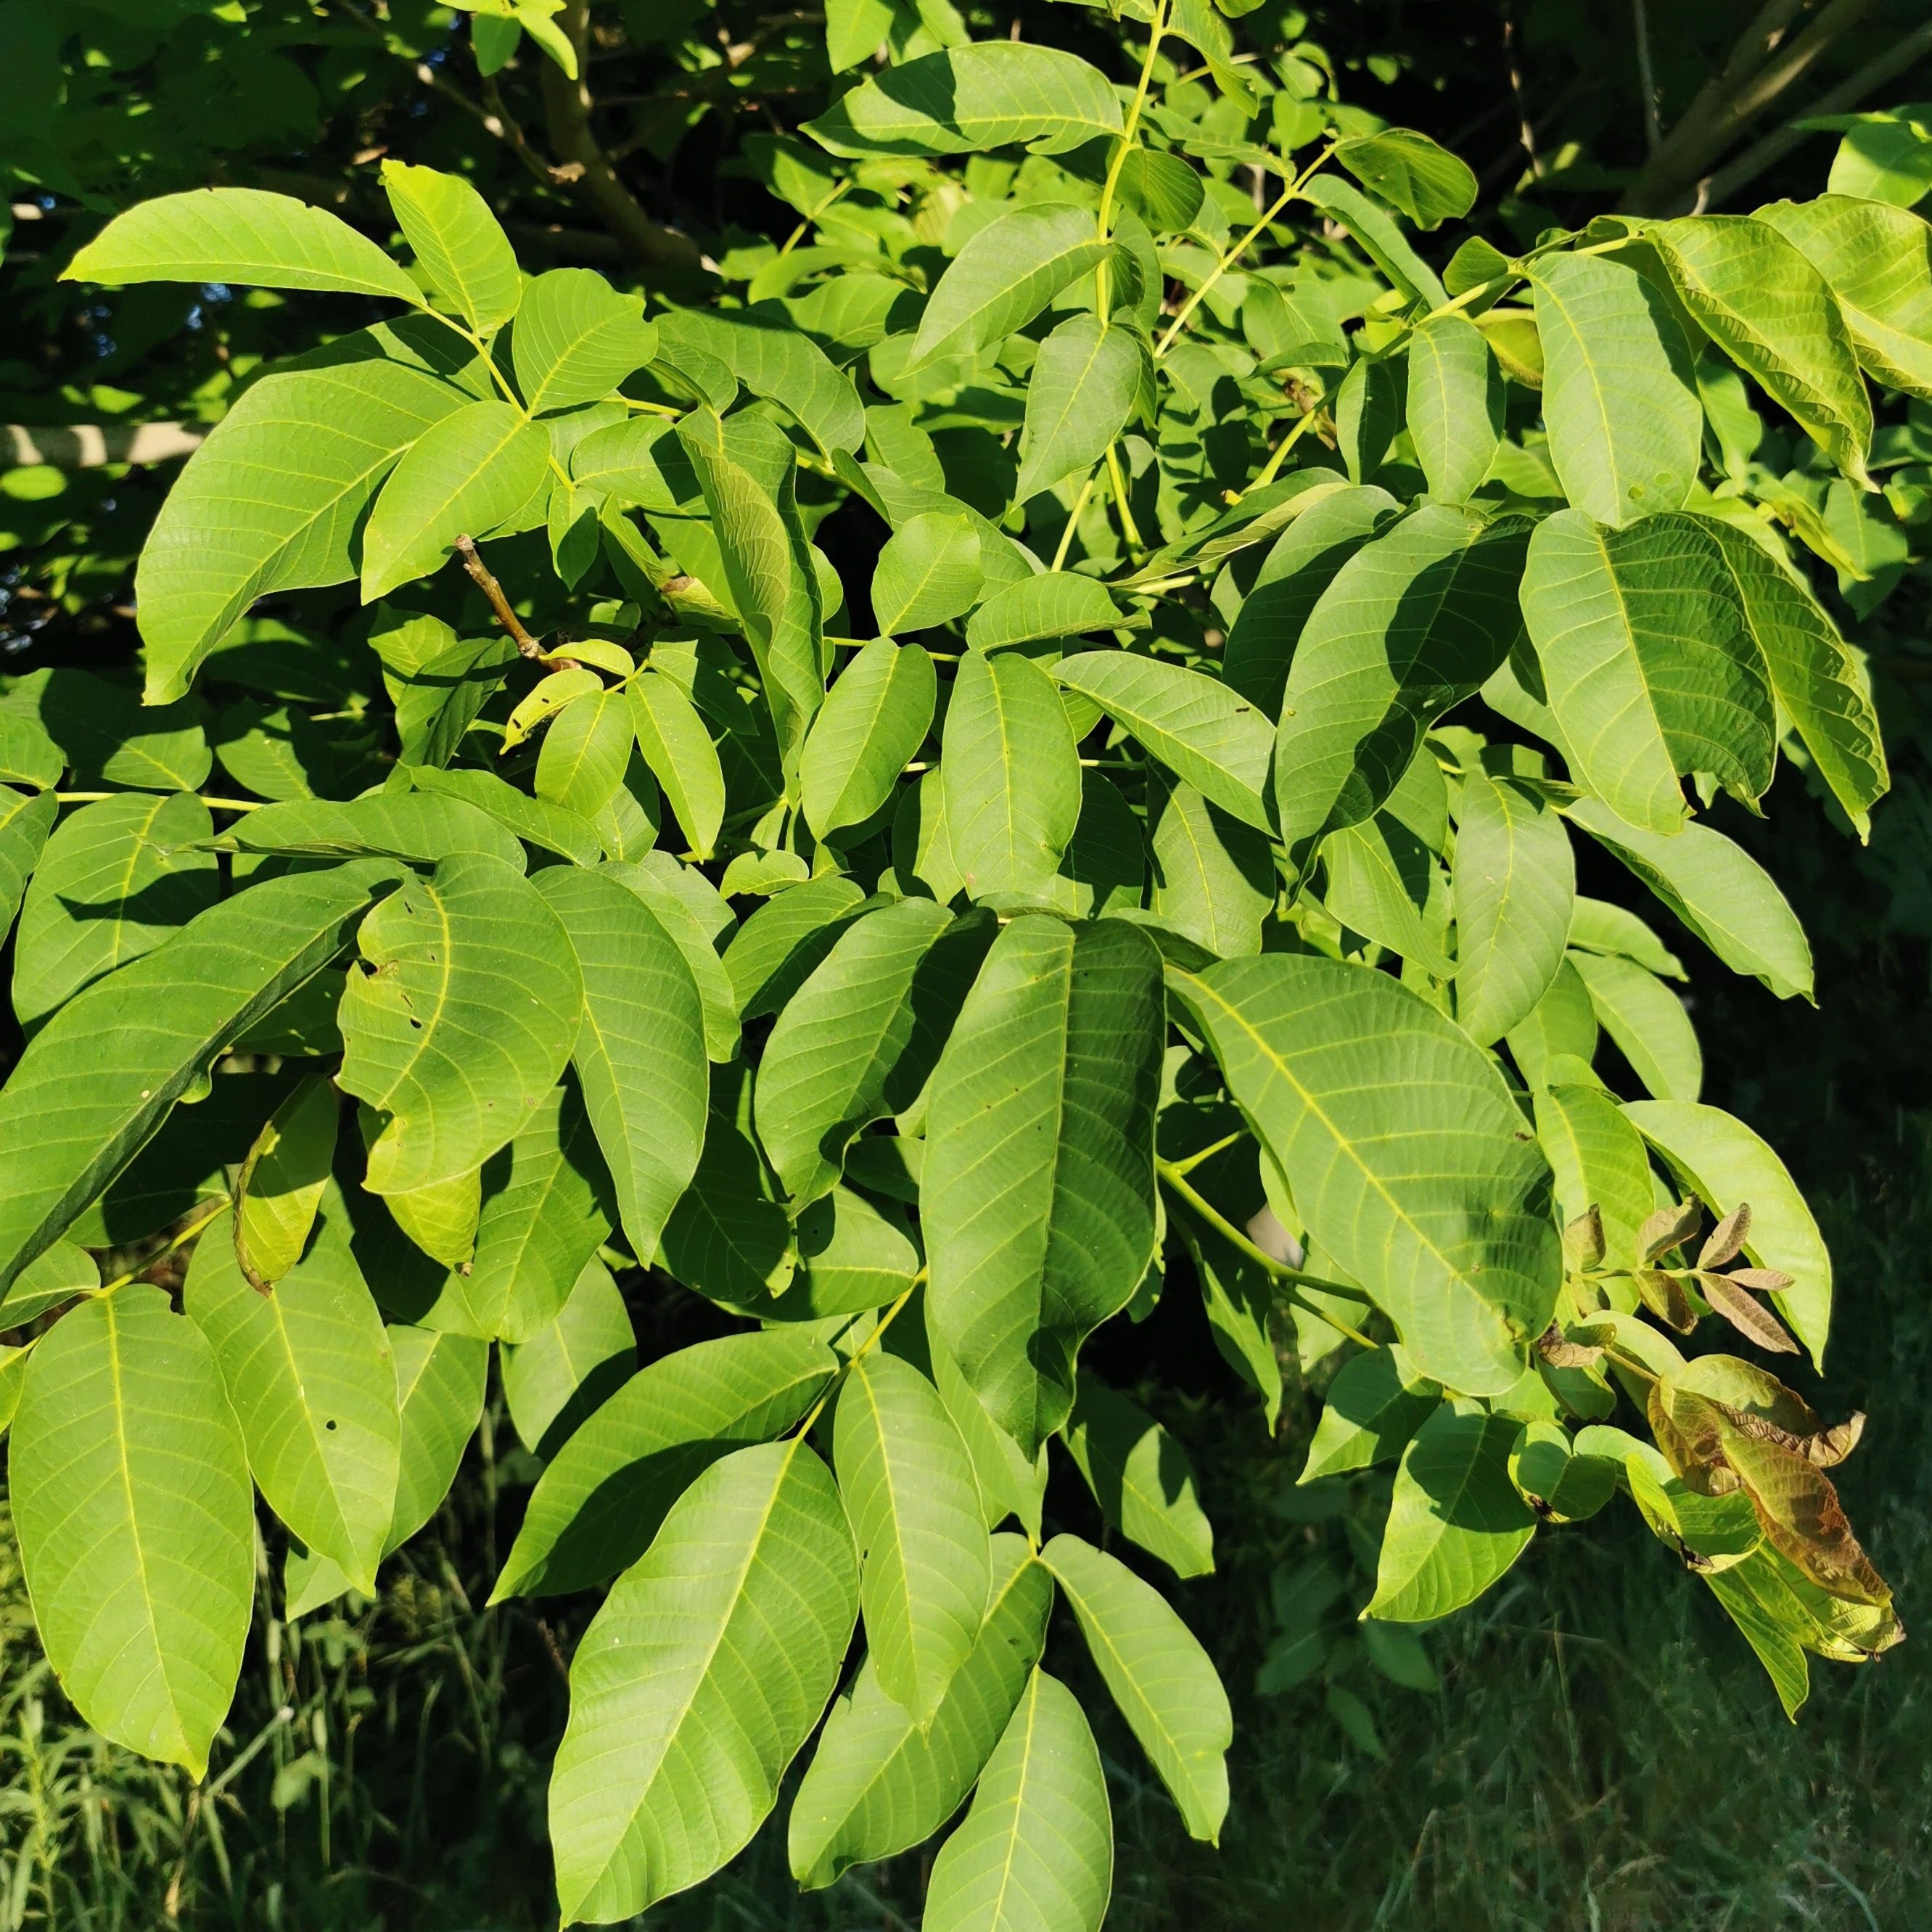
1646, 76
480, 575
1526, 132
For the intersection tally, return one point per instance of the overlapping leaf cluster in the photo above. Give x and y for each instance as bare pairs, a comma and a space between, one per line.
1183, 866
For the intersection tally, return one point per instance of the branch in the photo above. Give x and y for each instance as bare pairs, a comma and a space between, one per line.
1874, 74
480, 575
567, 107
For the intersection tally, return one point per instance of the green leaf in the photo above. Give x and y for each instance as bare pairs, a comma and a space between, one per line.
458, 1019
1874, 258
874, 718
1010, 774
1650, 669
460, 245
1383, 882
1429, 184
1626, 428
1372, 1408
909, 1490
1011, 1483
773, 358
307, 1368
116, 879
859, 1039
563, 1372
1515, 880
275, 498
1818, 679
551, 827
717, 997
1105, 867
1718, 890
1162, 189
1756, 296
541, 1220
439, 1382
768, 572
1408, 1159
577, 338
1368, 416
1160, 1676
586, 752
1599, 1161
466, 476
1381, 240
1205, 733
24, 823
101, 1075
677, 747
1004, 276
1726, 1162
1214, 878
29, 756
727, 1237
597, 1506
1037, 1192
1140, 1477
130, 1499
855, 30
1036, 1852
1052, 604
1647, 1021
928, 573
281, 1182
705, 1670
1597, 926
989, 94
852, 1256
1455, 405
108, 735
239, 234
878, 1784
775, 950
1457, 1523
1413, 622
1082, 389
1299, 568
1562, 1023
639, 1052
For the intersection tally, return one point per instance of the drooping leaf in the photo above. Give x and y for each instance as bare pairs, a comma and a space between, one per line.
1205, 733
1083, 388
117, 878
1140, 1477
1010, 775
458, 1018
1424, 1185
873, 720
1515, 880
705, 1669
1036, 1852
878, 1784
1650, 668
1718, 890
1160, 1677
306, 1367
1726, 1163
129, 1491
1037, 1191
1383, 241
1626, 427
101, 1075
596, 1507
240, 235
1412, 623
1457, 1523
988, 94
908, 1488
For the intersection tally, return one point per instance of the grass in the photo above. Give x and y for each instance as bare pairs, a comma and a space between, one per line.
1603, 1754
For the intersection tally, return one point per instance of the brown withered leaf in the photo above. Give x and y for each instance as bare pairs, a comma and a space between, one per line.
1669, 1227
1746, 1314
1830, 1446
1727, 1240
1761, 1281
1664, 1295
1750, 1390
1803, 1517
1560, 1353
1583, 1245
